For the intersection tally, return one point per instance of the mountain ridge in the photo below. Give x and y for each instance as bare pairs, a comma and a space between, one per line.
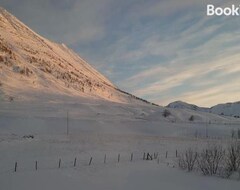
228, 109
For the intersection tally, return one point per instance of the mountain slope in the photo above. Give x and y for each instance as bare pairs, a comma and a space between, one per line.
29, 62
228, 109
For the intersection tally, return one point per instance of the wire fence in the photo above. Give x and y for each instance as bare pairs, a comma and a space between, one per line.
76, 162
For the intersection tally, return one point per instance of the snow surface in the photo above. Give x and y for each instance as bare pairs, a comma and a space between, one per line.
96, 128
127, 176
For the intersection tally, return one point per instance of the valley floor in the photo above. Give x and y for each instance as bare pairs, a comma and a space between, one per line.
95, 130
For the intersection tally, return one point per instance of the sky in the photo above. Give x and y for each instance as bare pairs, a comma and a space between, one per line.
159, 50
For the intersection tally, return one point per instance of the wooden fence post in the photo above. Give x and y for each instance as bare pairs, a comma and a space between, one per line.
166, 154
67, 124
149, 156
155, 155
36, 165
75, 162
118, 158
15, 167
131, 157
90, 161
105, 159
59, 163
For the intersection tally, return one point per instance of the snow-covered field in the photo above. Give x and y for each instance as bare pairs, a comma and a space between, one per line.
126, 176
98, 128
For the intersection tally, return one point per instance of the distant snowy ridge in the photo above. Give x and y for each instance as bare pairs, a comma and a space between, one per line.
228, 109
184, 105
29, 62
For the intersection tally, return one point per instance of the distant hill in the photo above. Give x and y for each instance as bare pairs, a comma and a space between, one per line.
228, 109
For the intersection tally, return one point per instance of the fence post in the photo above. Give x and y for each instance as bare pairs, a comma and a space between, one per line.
105, 158
67, 124
15, 167
166, 154
90, 161
155, 155
36, 165
59, 163
131, 157
118, 158
75, 162
176, 153
144, 155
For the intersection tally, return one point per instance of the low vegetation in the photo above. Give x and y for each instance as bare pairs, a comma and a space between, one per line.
212, 160
166, 113
11, 98
235, 134
187, 159
191, 118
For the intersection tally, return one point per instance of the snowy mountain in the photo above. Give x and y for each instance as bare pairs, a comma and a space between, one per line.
228, 109
31, 63
184, 105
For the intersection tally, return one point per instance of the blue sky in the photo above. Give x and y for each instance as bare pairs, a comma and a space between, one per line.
160, 50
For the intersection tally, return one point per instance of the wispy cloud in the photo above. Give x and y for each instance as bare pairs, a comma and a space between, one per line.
203, 56
160, 50
68, 21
